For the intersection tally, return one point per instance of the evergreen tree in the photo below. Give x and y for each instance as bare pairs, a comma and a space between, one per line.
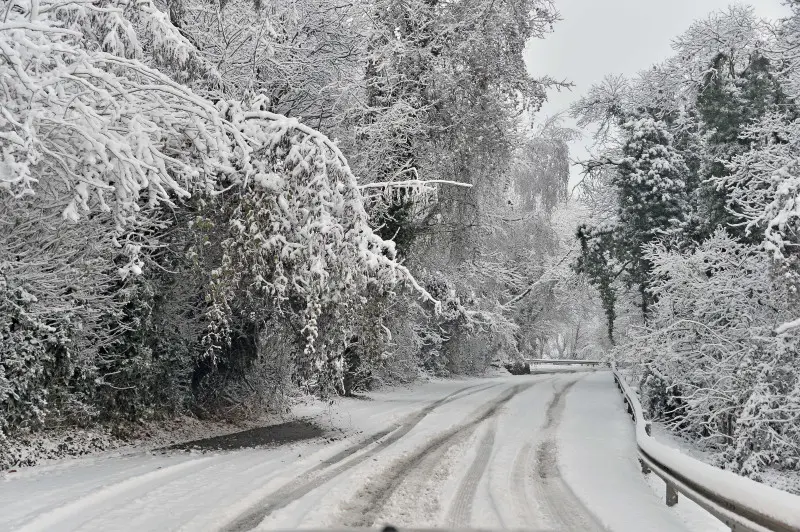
727, 103
652, 203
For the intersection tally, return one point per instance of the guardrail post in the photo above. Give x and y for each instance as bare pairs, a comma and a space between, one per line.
672, 495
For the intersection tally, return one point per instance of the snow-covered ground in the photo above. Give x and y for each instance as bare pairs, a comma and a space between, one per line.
534, 452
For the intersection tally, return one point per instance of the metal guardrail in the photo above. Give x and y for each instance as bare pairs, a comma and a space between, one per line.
740, 503
565, 362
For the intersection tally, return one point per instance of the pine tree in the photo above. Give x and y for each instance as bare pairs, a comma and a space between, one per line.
652, 196
652, 201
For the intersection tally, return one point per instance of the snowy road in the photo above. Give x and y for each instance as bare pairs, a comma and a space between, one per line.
542, 452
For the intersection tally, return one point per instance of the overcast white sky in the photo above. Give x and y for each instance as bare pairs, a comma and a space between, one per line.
600, 37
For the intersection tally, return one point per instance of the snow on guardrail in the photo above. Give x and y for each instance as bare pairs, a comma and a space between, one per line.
739, 502
569, 362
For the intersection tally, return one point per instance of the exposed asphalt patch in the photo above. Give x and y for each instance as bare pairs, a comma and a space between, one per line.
288, 432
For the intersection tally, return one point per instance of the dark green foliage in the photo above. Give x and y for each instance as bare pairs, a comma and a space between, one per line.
147, 371
727, 102
32, 354
652, 197
652, 202
396, 224
594, 262
675, 199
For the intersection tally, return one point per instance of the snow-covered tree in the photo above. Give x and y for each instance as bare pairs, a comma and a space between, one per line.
764, 186
712, 366
716, 257
298, 243
652, 201
110, 165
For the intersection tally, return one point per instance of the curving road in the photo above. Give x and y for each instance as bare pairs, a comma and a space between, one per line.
541, 452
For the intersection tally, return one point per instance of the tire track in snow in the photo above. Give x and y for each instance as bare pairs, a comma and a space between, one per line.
461, 511
520, 490
417, 498
250, 467
496, 507
338, 464
81, 507
512, 504
370, 501
554, 495
404, 426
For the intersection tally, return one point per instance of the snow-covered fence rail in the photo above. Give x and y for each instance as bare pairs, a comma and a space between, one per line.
536, 361
740, 503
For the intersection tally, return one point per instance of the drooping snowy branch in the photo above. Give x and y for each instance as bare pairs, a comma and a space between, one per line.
115, 132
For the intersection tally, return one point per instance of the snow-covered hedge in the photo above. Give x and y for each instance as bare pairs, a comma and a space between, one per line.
298, 243
118, 279
713, 366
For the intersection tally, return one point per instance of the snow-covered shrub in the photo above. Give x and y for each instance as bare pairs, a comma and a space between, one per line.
27, 351
105, 315
147, 370
28, 449
57, 283
713, 366
765, 189
297, 246
768, 428
407, 342
462, 338
259, 376
518, 368
94, 138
